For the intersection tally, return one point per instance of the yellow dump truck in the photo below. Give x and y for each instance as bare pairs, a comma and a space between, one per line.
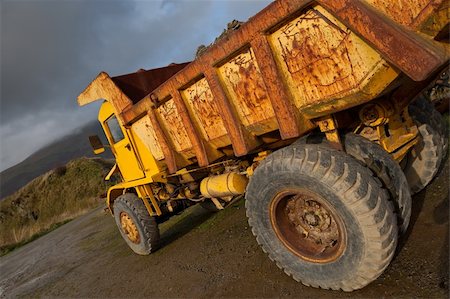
312, 109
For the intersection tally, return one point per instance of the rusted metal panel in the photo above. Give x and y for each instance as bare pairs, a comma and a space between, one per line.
270, 16
170, 119
291, 122
169, 155
204, 111
192, 134
291, 62
243, 142
322, 60
143, 128
103, 87
136, 111
437, 25
413, 55
410, 13
247, 92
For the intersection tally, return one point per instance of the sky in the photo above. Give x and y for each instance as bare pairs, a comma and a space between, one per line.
50, 50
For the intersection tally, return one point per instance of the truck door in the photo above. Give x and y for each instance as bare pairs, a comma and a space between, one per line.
126, 157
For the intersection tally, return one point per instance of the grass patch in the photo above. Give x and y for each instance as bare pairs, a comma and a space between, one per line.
51, 200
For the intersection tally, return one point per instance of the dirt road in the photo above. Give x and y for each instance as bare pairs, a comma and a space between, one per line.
213, 255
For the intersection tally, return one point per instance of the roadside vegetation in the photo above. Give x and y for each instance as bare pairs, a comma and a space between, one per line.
51, 200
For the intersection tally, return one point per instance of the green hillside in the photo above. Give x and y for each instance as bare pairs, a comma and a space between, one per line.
53, 198
57, 153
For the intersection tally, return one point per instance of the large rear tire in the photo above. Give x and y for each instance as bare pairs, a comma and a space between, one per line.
424, 159
424, 112
138, 229
322, 217
387, 170
381, 163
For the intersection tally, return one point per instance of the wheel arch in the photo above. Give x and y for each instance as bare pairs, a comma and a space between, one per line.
114, 192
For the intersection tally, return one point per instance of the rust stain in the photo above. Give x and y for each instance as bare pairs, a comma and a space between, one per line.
322, 58
241, 139
205, 111
247, 90
144, 129
197, 144
404, 12
168, 152
174, 126
412, 54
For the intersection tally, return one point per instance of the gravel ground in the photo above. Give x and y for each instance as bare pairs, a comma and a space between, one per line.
214, 255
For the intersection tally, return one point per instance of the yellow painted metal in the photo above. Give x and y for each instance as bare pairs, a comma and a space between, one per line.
111, 172
400, 133
104, 88
261, 156
123, 149
146, 193
400, 153
394, 130
143, 190
143, 129
224, 185
151, 166
375, 114
129, 228
326, 66
217, 203
433, 25
327, 124
137, 165
99, 151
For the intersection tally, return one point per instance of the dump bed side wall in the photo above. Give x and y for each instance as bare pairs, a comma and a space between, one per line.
292, 62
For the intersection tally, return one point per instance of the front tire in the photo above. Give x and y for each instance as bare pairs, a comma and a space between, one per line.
138, 229
322, 217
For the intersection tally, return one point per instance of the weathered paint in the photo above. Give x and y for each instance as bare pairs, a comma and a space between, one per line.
404, 12
322, 59
291, 122
242, 79
439, 20
144, 130
170, 118
204, 111
241, 139
290, 63
412, 54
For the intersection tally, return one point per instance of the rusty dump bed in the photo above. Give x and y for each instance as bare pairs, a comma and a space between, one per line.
294, 61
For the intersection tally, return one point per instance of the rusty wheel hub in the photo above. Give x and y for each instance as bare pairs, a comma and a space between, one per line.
308, 225
129, 228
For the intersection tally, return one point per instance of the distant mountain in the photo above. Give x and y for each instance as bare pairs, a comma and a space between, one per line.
56, 154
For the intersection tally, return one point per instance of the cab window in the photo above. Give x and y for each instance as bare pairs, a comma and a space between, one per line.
114, 128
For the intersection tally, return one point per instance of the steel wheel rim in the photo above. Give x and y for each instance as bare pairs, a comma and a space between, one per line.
129, 228
308, 225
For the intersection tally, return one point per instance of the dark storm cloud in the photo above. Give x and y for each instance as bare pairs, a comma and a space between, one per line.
51, 50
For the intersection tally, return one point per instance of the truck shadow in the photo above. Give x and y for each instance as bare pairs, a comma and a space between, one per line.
178, 226
440, 213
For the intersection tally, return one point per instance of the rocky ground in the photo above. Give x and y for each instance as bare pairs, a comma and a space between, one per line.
214, 255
